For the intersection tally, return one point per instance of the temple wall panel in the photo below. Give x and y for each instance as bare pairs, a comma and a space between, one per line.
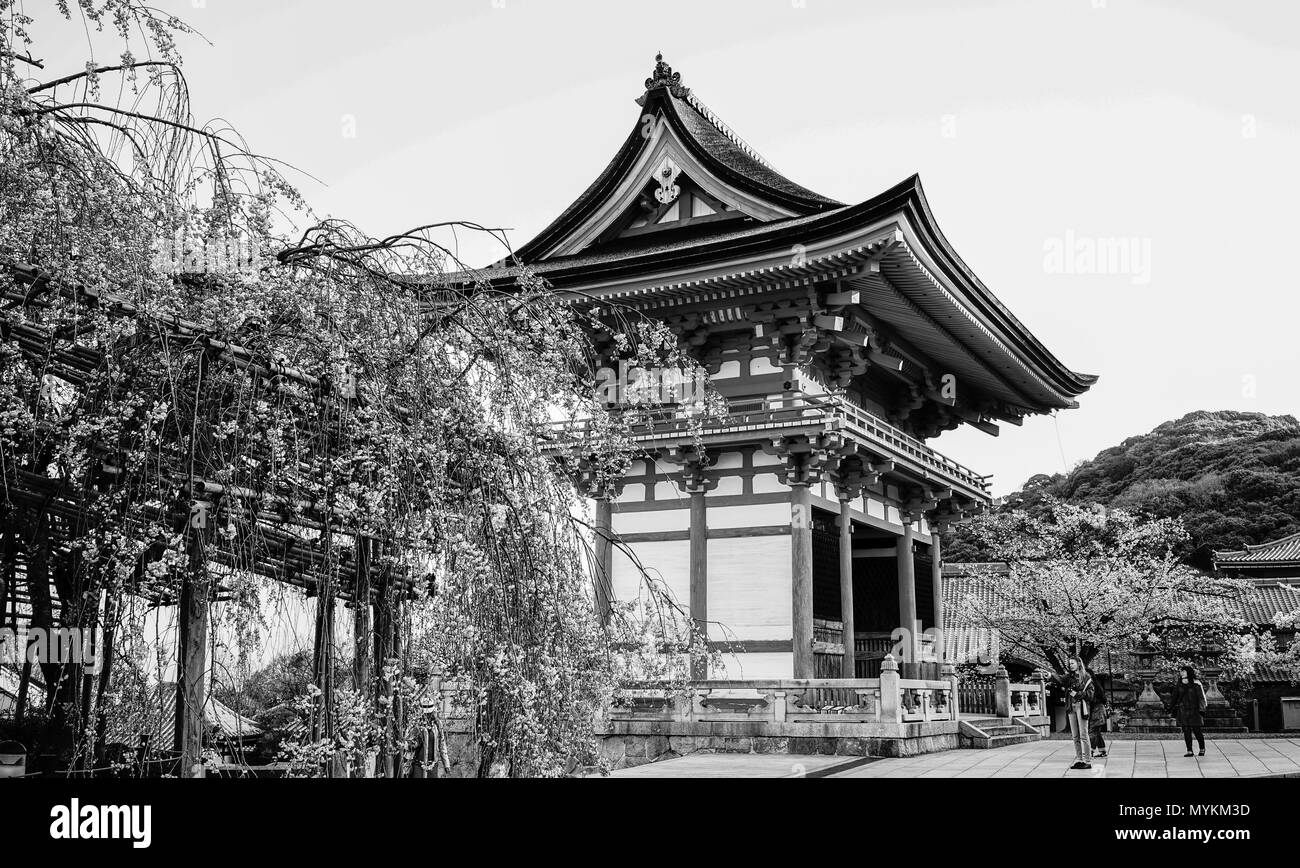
668, 562
750, 666
754, 515
749, 588
652, 521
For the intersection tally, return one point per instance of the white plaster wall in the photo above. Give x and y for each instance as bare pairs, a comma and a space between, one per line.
751, 515
652, 521
666, 561
738, 667
749, 588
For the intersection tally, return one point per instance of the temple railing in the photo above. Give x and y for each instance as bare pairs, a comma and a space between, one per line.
1028, 700
832, 411
813, 700
887, 699
977, 699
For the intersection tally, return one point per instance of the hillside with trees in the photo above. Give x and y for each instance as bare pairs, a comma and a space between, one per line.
1232, 477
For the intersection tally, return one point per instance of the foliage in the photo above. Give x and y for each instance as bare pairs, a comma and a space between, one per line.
1233, 478
1085, 580
334, 399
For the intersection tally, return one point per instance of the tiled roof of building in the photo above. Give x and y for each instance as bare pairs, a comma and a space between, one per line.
1269, 599
1285, 549
159, 721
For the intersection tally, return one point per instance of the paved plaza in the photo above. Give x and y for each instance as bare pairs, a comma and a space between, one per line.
1242, 758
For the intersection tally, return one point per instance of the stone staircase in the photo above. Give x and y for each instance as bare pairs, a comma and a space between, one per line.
986, 733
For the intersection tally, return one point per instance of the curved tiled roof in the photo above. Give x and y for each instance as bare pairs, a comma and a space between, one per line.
1285, 549
1266, 601
709, 140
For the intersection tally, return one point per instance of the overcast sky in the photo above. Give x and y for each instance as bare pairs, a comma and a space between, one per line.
1168, 125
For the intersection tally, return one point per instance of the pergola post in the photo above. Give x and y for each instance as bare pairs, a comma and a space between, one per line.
192, 645
361, 619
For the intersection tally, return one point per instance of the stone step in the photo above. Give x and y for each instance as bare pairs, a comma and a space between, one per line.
998, 741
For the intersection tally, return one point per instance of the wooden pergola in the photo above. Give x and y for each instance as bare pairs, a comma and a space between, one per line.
309, 545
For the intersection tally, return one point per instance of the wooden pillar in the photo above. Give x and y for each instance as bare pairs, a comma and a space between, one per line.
603, 580
361, 624
323, 662
907, 596
801, 578
936, 581
699, 582
192, 646
849, 666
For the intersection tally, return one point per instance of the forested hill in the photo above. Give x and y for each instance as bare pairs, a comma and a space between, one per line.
1234, 478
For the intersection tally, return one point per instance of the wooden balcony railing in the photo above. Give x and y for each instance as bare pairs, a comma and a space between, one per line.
832, 411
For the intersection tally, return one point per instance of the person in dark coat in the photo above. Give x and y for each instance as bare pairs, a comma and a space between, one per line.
1098, 713
1189, 707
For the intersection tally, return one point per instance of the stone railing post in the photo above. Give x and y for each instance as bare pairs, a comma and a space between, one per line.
891, 696
949, 674
1002, 693
779, 706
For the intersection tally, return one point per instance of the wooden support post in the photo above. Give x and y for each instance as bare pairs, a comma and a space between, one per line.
699, 582
192, 650
936, 582
907, 598
801, 579
361, 625
603, 580
849, 663
323, 663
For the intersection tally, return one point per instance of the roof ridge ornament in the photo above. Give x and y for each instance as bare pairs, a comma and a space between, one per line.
663, 76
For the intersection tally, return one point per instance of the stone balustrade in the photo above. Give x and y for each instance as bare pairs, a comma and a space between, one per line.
887, 699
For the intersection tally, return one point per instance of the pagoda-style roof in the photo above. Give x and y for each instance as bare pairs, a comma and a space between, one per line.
675, 124
687, 216
1280, 552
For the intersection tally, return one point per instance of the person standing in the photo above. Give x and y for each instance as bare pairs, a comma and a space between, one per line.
1099, 712
1189, 707
1078, 687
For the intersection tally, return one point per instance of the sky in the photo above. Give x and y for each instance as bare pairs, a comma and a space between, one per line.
1170, 128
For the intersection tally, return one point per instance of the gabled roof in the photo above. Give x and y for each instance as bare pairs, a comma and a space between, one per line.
670, 111
1279, 550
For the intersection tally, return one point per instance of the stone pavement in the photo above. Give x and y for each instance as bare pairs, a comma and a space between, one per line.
1161, 758
745, 765
1154, 758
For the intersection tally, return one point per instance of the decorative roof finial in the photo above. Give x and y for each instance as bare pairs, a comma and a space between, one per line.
664, 76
